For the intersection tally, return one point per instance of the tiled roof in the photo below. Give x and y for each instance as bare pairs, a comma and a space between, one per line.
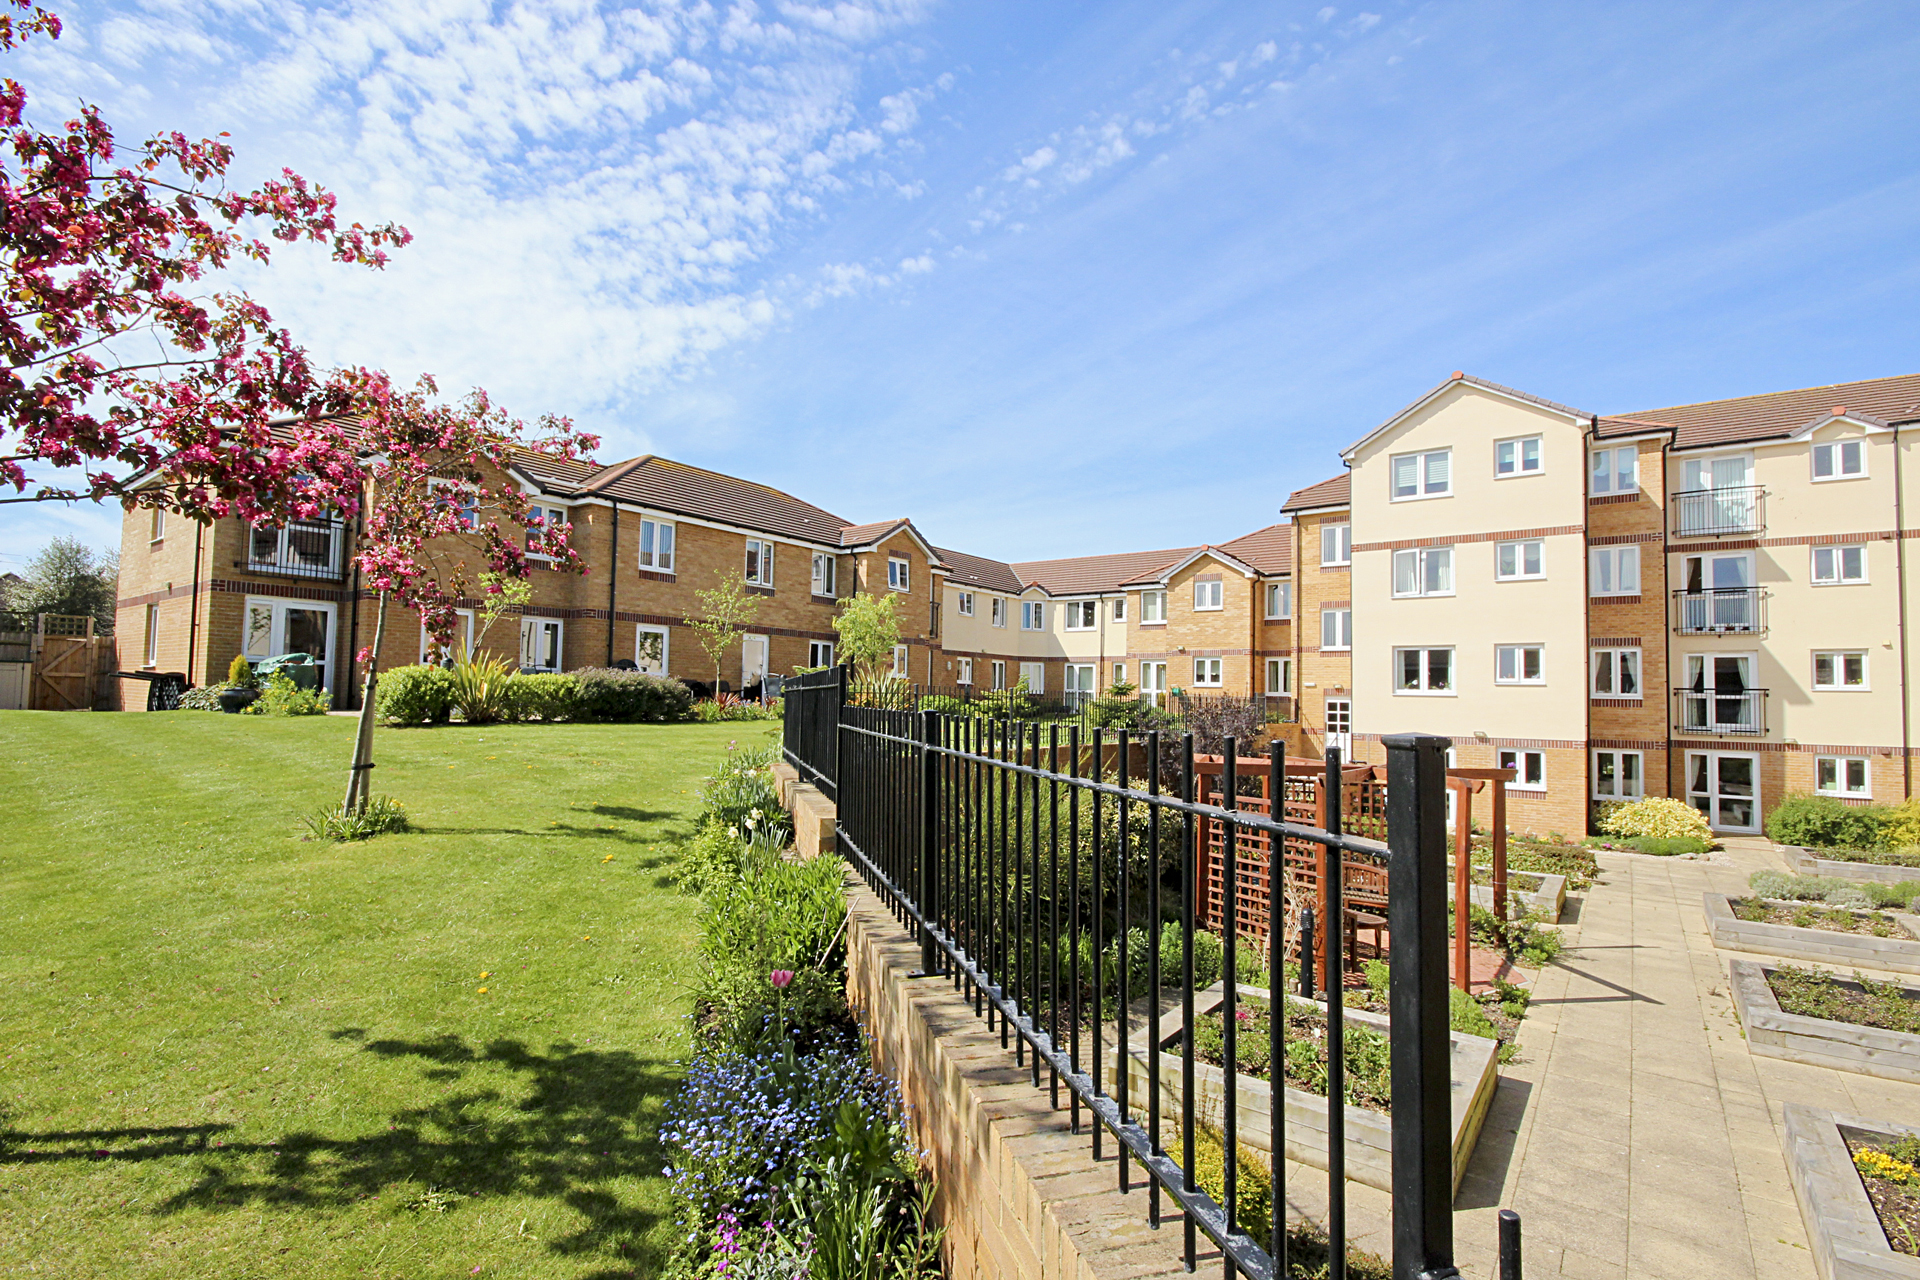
554, 475
1084, 575
1337, 492
860, 535
1269, 550
1781, 413
654, 482
978, 571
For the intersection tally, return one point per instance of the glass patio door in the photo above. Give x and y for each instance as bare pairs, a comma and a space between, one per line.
274, 627
1726, 788
1729, 501
1153, 683
1079, 689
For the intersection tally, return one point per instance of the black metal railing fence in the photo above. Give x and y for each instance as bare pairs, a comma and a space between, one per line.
1036, 862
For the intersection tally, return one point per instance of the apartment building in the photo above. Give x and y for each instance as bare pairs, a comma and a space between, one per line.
1704, 601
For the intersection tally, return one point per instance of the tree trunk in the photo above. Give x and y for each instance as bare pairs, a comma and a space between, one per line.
359, 786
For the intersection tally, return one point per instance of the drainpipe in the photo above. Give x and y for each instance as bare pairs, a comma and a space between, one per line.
1900, 563
613, 577
193, 610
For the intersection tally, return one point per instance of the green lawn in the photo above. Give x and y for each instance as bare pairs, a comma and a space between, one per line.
227, 1051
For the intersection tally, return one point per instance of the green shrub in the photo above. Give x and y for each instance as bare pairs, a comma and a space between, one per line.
204, 697
1658, 816
1900, 825
415, 695
1667, 847
1833, 891
550, 697
381, 814
1824, 822
1465, 1015
630, 696
742, 797
240, 673
479, 687
282, 697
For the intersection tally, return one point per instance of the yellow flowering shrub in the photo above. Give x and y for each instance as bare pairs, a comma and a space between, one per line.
1657, 816
1874, 1163
1900, 828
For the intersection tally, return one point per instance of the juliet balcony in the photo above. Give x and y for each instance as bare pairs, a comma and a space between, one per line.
303, 549
1717, 513
1720, 611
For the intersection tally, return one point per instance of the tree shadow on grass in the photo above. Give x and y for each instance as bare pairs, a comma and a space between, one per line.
589, 1115
559, 830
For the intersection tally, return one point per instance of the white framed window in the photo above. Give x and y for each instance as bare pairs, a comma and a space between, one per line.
1206, 673
459, 646
826, 573
1079, 679
650, 650
1842, 776
1613, 571
1279, 677
1619, 775
1336, 544
1119, 673
1519, 664
899, 571
1207, 595
1422, 475
1716, 496
1082, 615
999, 615
1336, 629
1839, 566
1840, 669
1153, 607
1120, 609
1423, 670
1033, 615
1514, 561
152, 658
900, 661
1840, 460
819, 653
966, 604
999, 674
965, 673
1516, 457
460, 498
1529, 769
553, 519
759, 562
540, 643
1279, 600
158, 530
1615, 673
1614, 470
1427, 571
656, 545
1035, 674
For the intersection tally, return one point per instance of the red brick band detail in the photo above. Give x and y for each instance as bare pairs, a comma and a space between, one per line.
1511, 535
1629, 744
1614, 599
1627, 703
1621, 539
1613, 642
650, 575
1806, 540
1607, 499
1785, 748
1336, 604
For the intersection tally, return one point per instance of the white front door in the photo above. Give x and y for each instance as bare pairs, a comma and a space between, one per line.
274, 627
1079, 683
1153, 682
753, 661
1340, 726
650, 650
540, 643
1725, 786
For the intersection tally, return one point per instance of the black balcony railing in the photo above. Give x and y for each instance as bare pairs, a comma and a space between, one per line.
1721, 611
1735, 711
1712, 513
303, 549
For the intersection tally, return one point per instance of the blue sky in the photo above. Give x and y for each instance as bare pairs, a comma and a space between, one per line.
1054, 279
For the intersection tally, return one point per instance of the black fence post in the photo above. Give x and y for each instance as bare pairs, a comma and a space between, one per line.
1509, 1245
929, 839
1418, 1004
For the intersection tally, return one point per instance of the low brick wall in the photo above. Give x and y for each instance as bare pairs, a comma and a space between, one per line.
1020, 1195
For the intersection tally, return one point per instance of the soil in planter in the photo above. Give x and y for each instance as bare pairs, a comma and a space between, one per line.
1812, 993
1496, 1016
1368, 1077
1806, 915
1909, 857
1544, 857
1517, 881
1887, 1171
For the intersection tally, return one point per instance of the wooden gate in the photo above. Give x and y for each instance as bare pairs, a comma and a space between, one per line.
67, 657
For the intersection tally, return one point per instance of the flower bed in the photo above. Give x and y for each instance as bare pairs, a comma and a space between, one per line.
1368, 1082
1369, 1146
1880, 866
1860, 1225
1806, 915
1807, 1015
1544, 857
1900, 954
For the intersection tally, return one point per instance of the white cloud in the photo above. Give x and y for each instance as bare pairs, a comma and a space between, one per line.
917, 266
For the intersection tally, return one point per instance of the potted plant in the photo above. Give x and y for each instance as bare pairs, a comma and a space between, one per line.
243, 687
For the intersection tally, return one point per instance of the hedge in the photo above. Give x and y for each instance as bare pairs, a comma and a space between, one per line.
424, 695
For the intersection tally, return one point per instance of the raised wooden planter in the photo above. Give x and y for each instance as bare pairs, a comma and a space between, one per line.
1843, 1231
1894, 955
1808, 862
1548, 900
1472, 1079
1774, 1033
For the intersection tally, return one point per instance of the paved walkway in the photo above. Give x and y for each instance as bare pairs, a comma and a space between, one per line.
1635, 1134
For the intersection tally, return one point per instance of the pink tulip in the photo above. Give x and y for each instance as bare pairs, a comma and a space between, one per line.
781, 978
